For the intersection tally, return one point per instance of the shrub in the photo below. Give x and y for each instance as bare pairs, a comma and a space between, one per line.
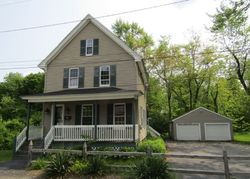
79, 167
59, 165
96, 166
152, 167
38, 164
157, 145
8, 130
36, 118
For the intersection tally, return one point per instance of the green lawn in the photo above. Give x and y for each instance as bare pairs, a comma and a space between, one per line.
5, 155
242, 137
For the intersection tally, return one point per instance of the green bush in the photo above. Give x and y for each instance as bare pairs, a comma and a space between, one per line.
36, 118
38, 164
79, 167
8, 130
152, 167
59, 165
156, 145
96, 166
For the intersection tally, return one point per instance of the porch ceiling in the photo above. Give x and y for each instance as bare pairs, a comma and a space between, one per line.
83, 95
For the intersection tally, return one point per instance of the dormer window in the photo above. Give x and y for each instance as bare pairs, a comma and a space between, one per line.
89, 47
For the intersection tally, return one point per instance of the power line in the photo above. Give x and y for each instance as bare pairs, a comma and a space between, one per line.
14, 2
99, 17
6, 61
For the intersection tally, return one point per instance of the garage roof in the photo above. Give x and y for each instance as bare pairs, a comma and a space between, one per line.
200, 109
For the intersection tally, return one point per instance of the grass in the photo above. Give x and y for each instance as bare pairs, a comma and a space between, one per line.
5, 155
242, 137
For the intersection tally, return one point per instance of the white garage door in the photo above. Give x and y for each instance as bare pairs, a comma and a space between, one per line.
188, 131
217, 131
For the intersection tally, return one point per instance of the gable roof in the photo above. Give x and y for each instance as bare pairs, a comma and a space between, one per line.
76, 31
200, 108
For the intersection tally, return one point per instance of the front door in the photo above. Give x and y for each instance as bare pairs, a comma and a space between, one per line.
59, 115
87, 114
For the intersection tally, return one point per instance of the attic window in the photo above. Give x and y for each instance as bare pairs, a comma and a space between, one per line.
89, 47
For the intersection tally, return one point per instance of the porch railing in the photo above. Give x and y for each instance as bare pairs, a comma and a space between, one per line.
49, 137
88, 132
20, 139
35, 132
74, 133
115, 132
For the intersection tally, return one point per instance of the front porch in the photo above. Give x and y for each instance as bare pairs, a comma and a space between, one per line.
98, 115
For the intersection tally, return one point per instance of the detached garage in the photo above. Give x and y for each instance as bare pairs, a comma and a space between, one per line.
202, 124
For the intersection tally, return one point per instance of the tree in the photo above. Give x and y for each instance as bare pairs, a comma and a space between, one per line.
134, 36
233, 34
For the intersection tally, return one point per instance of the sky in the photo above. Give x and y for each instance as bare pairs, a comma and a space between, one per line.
25, 49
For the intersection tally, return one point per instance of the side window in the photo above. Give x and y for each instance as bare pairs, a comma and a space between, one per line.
73, 77
105, 75
89, 47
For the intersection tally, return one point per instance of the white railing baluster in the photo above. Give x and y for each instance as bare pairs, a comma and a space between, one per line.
50, 137
20, 139
86, 132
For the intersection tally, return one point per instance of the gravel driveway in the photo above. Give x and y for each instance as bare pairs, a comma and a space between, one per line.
212, 148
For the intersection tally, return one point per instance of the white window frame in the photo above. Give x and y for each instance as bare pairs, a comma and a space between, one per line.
76, 86
100, 76
92, 47
125, 120
92, 121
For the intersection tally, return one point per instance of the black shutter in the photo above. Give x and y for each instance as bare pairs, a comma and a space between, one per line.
65, 77
96, 113
112, 75
96, 76
129, 113
78, 115
96, 47
110, 114
81, 77
83, 47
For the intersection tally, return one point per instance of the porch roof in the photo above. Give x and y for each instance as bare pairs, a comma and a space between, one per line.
83, 95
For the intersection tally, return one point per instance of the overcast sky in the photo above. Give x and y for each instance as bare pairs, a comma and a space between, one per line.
31, 46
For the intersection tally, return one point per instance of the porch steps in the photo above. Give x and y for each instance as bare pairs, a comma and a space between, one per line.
22, 153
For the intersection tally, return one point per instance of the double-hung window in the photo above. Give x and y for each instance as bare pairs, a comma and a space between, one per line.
73, 77
87, 114
105, 75
89, 47
119, 113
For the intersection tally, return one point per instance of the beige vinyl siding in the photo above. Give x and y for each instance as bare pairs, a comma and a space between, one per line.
109, 54
141, 106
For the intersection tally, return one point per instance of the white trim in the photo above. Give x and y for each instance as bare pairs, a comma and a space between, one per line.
73, 77
52, 115
199, 131
86, 42
125, 115
53, 106
203, 109
74, 33
92, 105
214, 123
82, 97
100, 75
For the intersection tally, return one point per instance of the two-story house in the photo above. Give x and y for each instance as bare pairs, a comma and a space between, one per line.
95, 88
